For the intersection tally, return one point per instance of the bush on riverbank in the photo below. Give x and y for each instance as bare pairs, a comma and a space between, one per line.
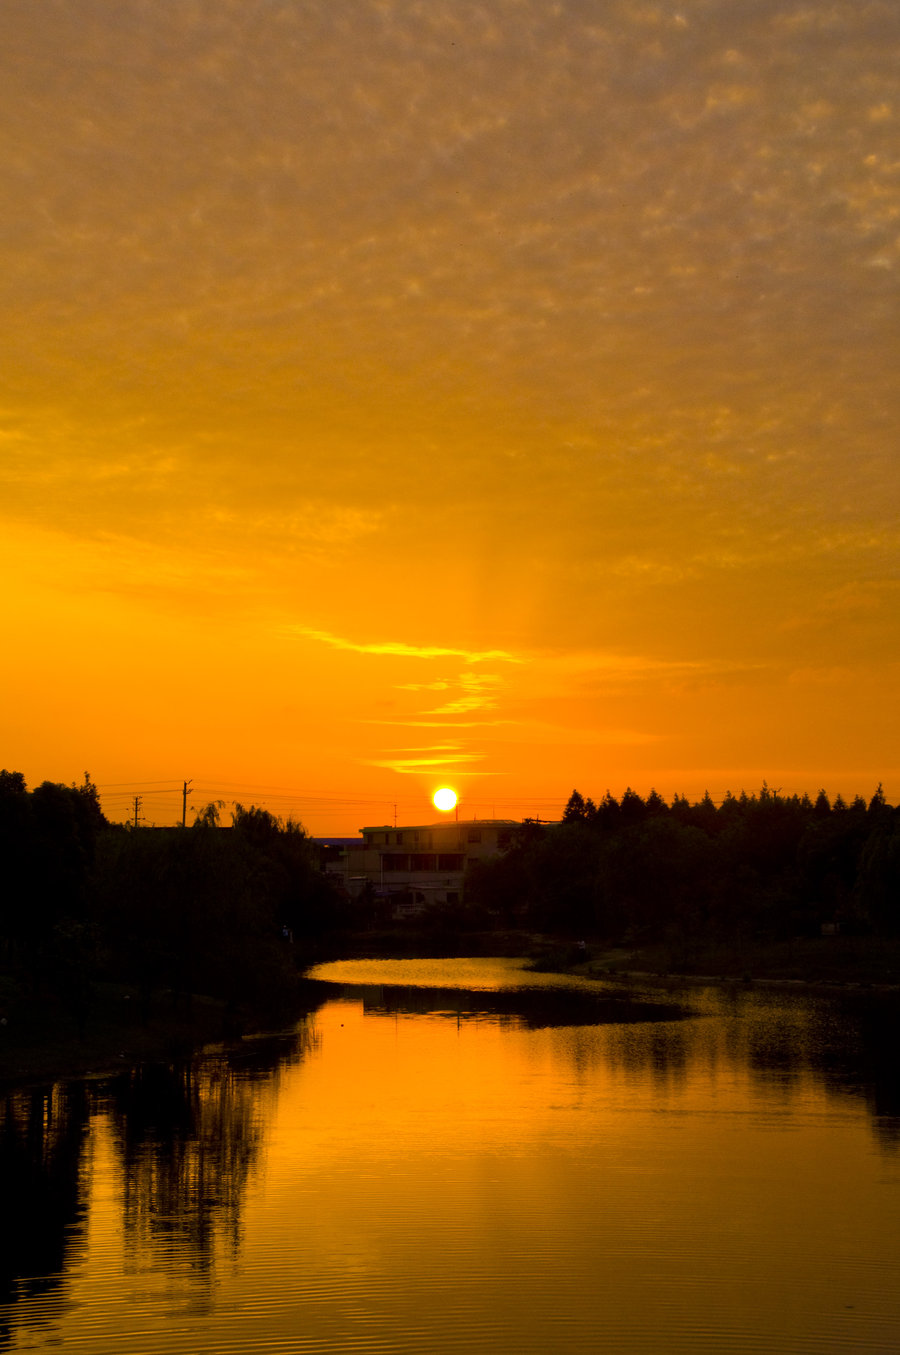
228, 913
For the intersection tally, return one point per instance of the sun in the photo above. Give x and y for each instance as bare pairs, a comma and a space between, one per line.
445, 799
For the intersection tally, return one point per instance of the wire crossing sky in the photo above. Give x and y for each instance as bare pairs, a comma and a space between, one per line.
493, 394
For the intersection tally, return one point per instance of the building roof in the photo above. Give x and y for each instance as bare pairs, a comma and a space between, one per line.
442, 823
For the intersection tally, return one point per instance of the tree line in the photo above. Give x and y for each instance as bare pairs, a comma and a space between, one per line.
214, 911
188, 910
764, 867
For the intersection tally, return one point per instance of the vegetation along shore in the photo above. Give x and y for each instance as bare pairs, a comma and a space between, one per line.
124, 944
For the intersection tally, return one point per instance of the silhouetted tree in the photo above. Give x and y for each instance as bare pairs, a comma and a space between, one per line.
210, 815
48, 842
631, 807
607, 816
15, 856
878, 880
575, 810
763, 866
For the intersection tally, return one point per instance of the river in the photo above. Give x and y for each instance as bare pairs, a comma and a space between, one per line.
455, 1155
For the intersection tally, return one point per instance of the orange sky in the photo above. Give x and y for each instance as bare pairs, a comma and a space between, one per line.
501, 394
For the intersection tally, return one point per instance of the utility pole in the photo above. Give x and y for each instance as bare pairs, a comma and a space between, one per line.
137, 809
184, 794
395, 816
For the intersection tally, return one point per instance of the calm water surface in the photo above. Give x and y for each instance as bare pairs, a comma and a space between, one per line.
456, 1156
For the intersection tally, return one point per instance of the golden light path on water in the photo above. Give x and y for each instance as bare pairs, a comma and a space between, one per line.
468, 1168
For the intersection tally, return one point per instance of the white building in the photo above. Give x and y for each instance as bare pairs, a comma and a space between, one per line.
423, 863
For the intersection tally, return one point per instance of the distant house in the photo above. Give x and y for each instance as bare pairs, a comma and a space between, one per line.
420, 864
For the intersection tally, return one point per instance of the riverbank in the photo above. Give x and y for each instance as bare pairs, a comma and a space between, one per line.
839, 962
851, 961
41, 1040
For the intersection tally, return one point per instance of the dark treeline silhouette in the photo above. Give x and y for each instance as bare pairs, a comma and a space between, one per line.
234, 912
207, 910
764, 866
48, 859
198, 910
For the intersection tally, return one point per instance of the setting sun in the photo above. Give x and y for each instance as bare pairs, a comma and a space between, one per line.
445, 799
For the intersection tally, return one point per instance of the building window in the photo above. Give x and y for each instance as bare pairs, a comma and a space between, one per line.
422, 861
395, 861
504, 838
474, 835
398, 838
450, 861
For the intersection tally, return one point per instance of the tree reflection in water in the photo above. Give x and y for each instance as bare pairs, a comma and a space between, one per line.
846, 1041
183, 1140
186, 1135
42, 1136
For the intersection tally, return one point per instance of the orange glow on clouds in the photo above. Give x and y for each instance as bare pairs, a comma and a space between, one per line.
606, 317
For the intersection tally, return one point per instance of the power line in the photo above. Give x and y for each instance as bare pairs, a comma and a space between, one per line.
109, 785
174, 785
304, 802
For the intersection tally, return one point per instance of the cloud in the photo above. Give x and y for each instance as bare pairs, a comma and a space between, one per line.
429, 748
552, 340
463, 705
443, 724
479, 694
422, 686
399, 649
418, 764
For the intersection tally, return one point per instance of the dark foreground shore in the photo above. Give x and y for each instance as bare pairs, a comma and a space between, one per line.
40, 1040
